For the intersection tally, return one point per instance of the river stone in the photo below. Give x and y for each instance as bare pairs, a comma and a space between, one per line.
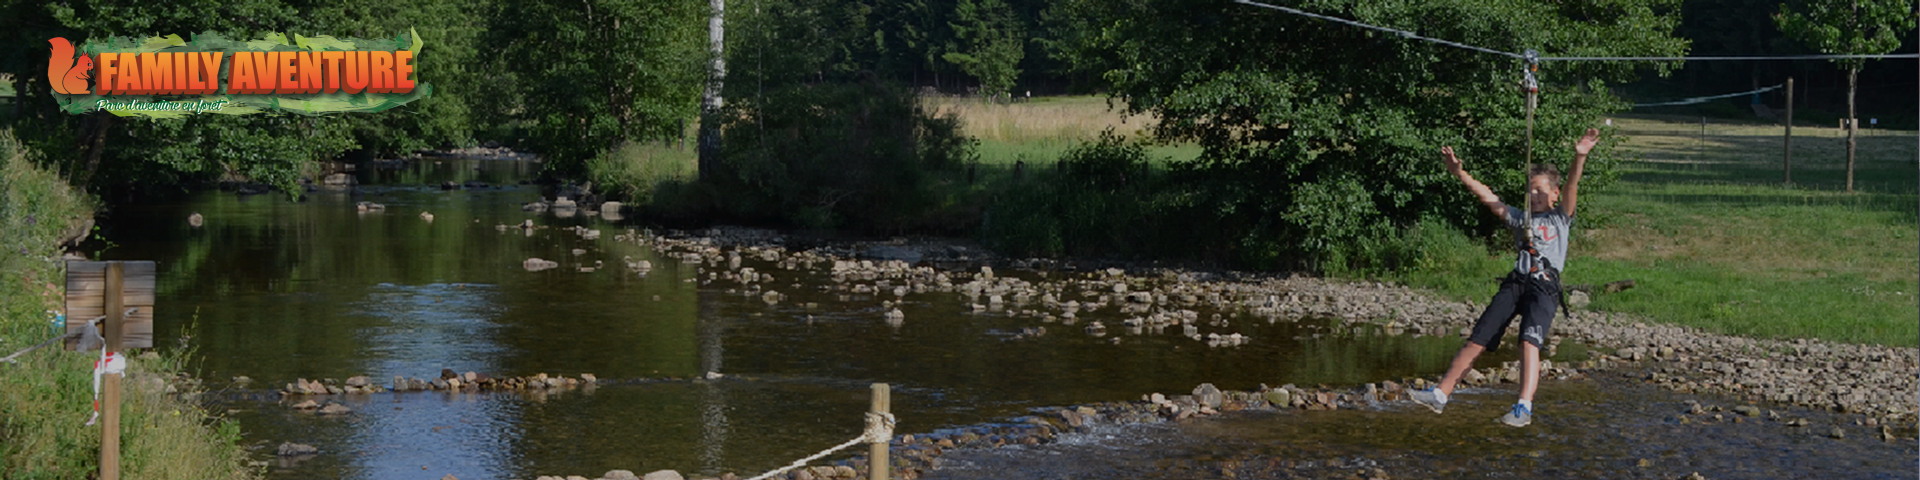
335, 409
1748, 410
1837, 433
620, 475
289, 449
1279, 398
399, 384
536, 264
357, 381
449, 477
306, 405
1474, 377
662, 475
843, 471
1073, 418
1208, 395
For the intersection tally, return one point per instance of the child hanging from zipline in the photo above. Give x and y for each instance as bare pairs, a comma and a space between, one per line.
1532, 289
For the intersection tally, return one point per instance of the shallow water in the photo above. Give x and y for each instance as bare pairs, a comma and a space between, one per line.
277, 290
1607, 427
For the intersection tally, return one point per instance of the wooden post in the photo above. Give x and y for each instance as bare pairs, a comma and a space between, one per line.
110, 383
1700, 147
1786, 164
877, 454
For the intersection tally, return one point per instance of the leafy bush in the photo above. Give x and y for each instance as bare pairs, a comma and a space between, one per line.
1320, 140
860, 154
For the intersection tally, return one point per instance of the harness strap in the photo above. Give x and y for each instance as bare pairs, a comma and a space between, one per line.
1539, 278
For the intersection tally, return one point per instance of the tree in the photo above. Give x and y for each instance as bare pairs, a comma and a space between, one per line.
588, 78
98, 149
1319, 139
710, 101
990, 44
1848, 27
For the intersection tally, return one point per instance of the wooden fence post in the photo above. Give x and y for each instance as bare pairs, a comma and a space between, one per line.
1786, 165
110, 383
877, 453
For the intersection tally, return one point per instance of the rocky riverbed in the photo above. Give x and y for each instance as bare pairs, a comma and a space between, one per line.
1877, 381
1871, 389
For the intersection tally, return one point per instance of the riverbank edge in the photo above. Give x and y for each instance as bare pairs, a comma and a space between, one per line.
47, 396
1877, 385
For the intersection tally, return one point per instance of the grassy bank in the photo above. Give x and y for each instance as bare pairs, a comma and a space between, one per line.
47, 396
1715, 240
1698, 217
637, 170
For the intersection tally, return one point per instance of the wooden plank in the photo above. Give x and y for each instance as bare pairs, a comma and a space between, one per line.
139, 269
87, 297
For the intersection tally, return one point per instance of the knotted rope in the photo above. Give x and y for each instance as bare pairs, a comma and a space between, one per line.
879, 430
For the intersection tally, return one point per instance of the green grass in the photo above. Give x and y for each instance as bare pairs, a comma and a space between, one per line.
1040, 130
46, 397
1714, 239
637, 170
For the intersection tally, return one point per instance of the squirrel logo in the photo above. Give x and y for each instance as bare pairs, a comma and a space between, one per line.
67, 76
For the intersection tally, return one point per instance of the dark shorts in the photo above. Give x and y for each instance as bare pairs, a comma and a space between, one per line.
1533, 301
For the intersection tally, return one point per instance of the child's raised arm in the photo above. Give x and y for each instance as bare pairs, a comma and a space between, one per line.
1479, 190
1570, 194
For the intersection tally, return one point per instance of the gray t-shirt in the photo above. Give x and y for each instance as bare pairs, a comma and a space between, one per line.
1549, 231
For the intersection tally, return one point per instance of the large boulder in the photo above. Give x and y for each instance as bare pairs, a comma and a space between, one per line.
1209, 396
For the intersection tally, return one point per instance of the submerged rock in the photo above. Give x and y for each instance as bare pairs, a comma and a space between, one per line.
289, 449
537, 264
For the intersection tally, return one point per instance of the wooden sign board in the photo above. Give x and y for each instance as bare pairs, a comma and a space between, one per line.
87, 298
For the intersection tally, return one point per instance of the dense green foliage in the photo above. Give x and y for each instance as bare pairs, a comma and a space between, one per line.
816, 139
98, 149
587, 78
989, 44
1851, 27
1319, 138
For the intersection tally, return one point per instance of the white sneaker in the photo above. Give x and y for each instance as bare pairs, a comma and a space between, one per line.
1520, 416
1429, 398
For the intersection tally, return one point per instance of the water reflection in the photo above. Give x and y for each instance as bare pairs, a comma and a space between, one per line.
282, 290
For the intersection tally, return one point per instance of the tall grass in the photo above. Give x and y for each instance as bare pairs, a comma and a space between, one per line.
1037, 132
1046, 119
47, 396
637, 170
